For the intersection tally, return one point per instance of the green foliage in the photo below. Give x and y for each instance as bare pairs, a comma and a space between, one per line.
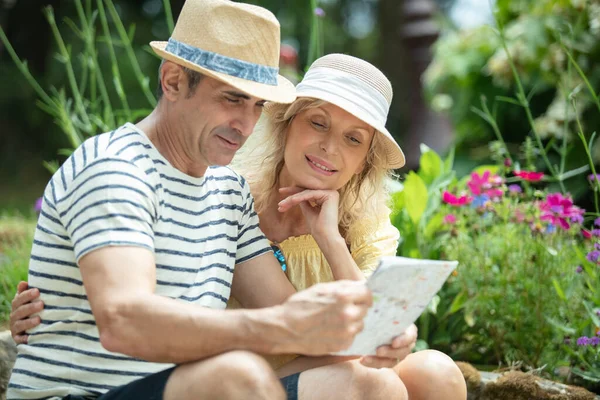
16, 236
540, 58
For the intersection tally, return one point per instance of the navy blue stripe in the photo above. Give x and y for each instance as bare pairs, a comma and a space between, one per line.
88, 179
55, 277
203, 211
86, 353
195, 241
53, 189
107, 216
49, 232
84, 154
111, 201
202, 198
82, 368
250, 241
195, 284
206, 179
194, 255
211, 294
194, 270
111, 136
67, 333
69, 382
134, 159
67, 322
246, 229
51, 218
62, 294
204, 225
255, 254
161, 162
120, 229
62, 176
133, 144
150, 170
60, 308
52, 245
73, 166
49, 203
96, 139
112, 243
53, 261
131, 133
97, 188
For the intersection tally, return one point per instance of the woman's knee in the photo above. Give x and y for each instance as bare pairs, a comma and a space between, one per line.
370, 383
434, 371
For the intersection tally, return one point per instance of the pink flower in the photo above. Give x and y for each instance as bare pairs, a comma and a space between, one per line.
530, 176
559, 210
450, 219
456, 201
586, 234
486, 184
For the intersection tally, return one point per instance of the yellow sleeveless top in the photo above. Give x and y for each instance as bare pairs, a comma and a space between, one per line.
368, 240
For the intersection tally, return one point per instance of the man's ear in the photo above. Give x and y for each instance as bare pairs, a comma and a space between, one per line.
172, 80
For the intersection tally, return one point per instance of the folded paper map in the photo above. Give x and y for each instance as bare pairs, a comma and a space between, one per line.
402, 288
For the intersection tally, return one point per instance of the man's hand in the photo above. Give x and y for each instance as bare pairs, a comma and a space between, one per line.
324, 318
389, 356
24, 305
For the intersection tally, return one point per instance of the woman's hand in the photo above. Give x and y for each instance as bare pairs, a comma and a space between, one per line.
319, 207
398, 350
24, 305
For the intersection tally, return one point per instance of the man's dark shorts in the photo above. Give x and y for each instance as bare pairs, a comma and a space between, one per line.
152, 387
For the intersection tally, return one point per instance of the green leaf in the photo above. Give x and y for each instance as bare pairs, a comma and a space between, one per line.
433, 304
433, 225
459, 302
560, 326
415, 196
430, 164
558, 289
593, 315
449, 161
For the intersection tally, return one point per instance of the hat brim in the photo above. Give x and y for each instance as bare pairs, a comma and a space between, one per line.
395, 155
284, 92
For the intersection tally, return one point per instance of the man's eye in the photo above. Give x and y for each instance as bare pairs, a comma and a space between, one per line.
232, 100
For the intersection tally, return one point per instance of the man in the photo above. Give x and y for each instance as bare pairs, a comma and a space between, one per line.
139, 235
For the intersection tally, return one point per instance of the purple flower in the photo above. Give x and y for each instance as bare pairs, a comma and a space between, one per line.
515, 189
37, 206
583, 341
596, 246
319, 12
592, 177
597, 222
595, 232
593, 256
579, 269
595, 341
578, 219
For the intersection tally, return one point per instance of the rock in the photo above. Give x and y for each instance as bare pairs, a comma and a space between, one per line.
8, 354
516, 385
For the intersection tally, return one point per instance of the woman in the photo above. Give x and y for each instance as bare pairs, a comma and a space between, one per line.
318, 171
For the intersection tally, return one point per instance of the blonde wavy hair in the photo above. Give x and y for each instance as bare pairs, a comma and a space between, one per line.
261, 160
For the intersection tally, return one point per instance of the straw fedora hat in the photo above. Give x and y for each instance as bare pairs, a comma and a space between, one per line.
357, 87
232, 42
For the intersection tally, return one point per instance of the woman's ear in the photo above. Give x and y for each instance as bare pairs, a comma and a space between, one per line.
171, 79
361, 167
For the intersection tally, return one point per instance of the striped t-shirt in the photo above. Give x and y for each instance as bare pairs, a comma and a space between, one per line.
118, 190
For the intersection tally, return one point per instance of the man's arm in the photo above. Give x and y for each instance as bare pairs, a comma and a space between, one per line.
132, 320
260, 282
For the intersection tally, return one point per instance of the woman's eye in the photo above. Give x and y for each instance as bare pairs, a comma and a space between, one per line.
318, 125
353, 139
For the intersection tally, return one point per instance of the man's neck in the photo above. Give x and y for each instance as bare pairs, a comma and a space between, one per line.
169, 141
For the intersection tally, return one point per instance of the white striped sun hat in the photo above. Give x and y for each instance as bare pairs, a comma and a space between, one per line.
357, 87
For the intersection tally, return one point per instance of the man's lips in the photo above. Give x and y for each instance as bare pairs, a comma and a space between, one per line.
228, 143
